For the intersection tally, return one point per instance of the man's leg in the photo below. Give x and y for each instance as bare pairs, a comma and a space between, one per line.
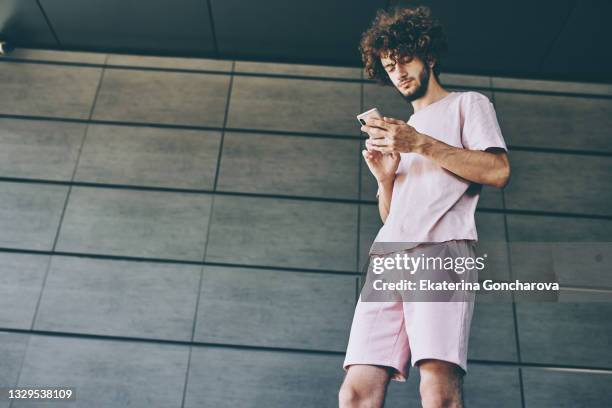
364, 386
441, 384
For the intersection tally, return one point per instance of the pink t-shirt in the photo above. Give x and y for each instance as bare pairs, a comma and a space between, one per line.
429, 203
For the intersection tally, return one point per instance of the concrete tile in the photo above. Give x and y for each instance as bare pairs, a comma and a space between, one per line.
565, 333
464, 81
491, 197
162, 97
369, 225
560, 122
485, 385
388, 101
225, 377
547, 387
492, 335
39, 149
52, 90
551, 86
34, 54
559, 183
106, 373
30, 214
119, 298
147, 224
12, 349
491, 231
570, 251
21, 281
527, 228
146, 156
283, 233
169, 62
324, 305
369, 186
324, 71
290, 165
299, 105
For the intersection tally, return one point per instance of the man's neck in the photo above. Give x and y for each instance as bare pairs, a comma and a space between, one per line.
434, 93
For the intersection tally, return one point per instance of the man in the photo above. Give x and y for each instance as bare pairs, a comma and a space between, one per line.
429, 173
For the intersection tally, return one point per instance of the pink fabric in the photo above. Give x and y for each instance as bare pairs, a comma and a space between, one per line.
429, 203
380, 333
397, 333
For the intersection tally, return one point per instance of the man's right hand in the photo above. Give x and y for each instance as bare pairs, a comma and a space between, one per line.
382, 165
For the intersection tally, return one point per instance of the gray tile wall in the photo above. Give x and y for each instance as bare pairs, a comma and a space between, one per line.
185, 232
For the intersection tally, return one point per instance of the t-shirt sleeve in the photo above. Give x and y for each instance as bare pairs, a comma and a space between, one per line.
480, 126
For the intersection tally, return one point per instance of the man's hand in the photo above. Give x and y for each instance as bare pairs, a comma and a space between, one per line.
392, 135
382, 165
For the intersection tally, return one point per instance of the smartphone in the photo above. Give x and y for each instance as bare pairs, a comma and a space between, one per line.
372, 113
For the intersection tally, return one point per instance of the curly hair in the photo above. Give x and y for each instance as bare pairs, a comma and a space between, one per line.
402, 33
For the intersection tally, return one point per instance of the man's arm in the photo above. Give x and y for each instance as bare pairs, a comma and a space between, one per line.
385, 191
483, 167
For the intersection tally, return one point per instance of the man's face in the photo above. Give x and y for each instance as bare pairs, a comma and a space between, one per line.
409, 76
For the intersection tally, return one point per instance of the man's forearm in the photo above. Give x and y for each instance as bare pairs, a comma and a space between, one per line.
473, 165
385, 191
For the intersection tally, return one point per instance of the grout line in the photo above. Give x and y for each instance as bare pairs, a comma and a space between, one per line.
359, 165
25, 351
59, 226
276, 132
525, 91
289, 197
86, 336
186, 376
223, 129
179, 261
514, 312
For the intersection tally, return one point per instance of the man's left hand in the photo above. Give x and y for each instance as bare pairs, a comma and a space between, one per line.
392, 135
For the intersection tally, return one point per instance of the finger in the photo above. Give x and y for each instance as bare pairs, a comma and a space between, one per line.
374, 133
376, 122
394, 121
379, 143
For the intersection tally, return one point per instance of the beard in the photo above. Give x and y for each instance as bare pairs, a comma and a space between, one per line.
422, 87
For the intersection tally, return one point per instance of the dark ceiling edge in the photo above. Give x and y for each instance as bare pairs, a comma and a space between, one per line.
552, 44
53, 33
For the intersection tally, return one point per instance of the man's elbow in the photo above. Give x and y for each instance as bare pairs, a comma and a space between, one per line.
502, 176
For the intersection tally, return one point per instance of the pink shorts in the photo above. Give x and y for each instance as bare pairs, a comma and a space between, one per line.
393, 333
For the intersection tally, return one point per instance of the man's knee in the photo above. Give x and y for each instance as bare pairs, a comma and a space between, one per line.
441, 384
363, 386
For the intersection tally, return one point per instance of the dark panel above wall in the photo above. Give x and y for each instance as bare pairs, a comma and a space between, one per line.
505, 37
584, 44
320, 31
22, 23
547, 39
139, 26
